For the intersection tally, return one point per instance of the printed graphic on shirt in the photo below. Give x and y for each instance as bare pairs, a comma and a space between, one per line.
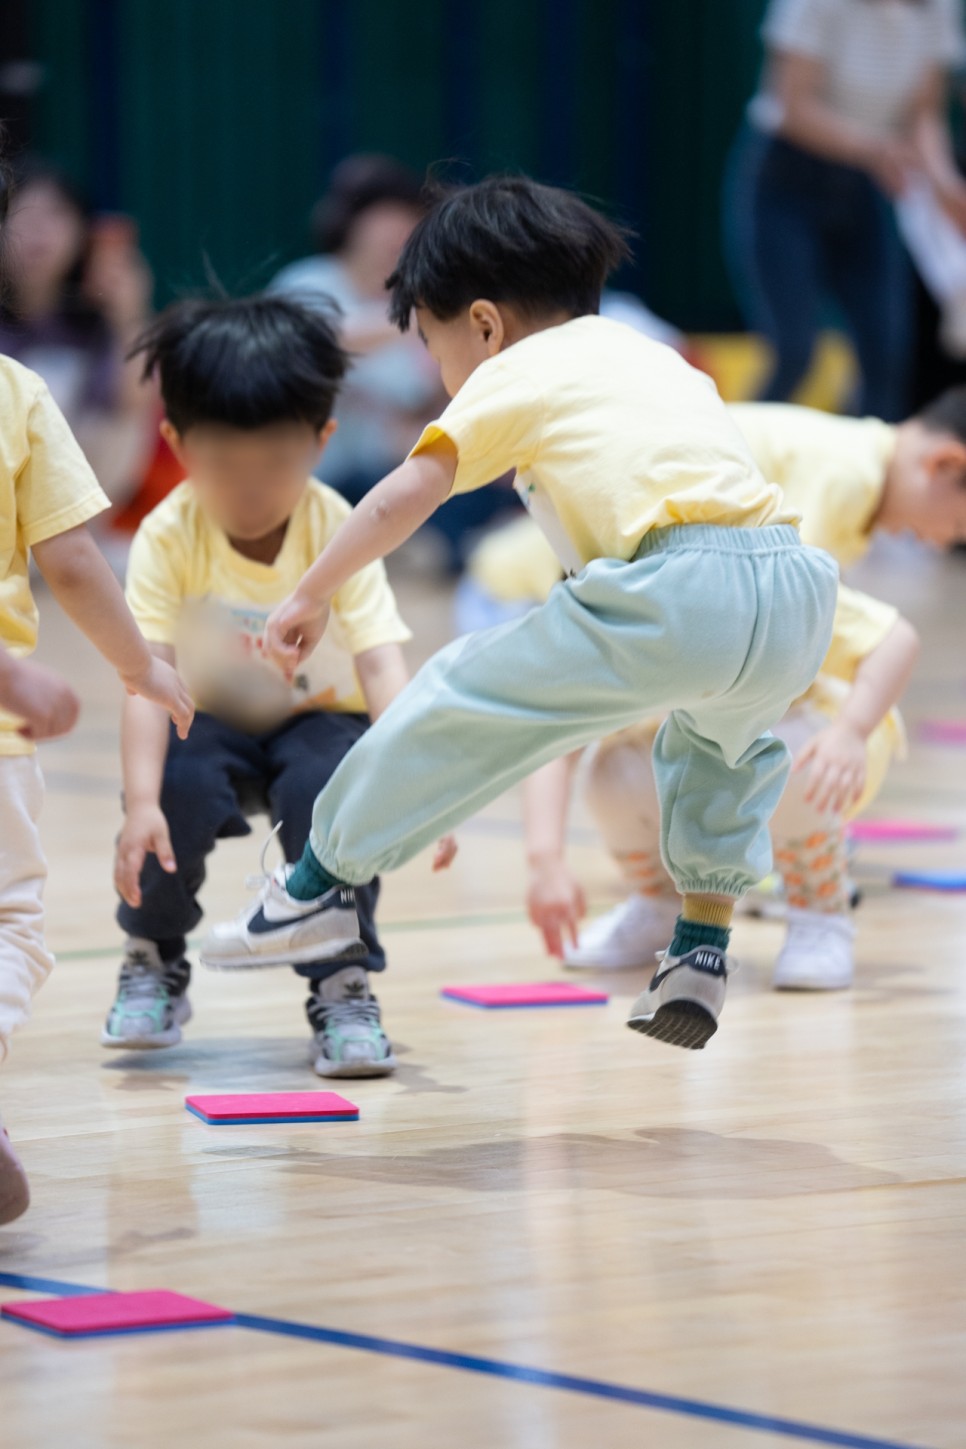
221, 656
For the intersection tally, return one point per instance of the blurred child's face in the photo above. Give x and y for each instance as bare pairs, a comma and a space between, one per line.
461, 344
45, 234
249, 483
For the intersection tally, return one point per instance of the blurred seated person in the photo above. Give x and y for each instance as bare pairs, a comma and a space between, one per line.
76, 293
393, 388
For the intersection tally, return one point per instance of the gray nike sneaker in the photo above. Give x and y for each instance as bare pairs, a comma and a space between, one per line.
348, 1037
684, 1000
152, 1002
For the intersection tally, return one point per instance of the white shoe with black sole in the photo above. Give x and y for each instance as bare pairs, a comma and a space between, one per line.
683, 1002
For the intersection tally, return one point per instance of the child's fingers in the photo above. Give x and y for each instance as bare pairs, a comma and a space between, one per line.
553, 939
127, 876
161, 845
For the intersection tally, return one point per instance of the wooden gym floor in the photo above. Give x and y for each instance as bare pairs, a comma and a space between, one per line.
758, 1245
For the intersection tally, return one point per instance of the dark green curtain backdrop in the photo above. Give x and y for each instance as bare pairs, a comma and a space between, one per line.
216, 121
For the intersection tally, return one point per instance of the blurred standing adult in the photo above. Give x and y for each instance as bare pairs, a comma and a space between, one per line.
852, 101
76, 293
393, 389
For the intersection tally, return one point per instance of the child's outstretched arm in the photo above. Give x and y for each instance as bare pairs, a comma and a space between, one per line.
144, 749
82, 583
385, 518
555, 898
383, 675
836, 756
45, 702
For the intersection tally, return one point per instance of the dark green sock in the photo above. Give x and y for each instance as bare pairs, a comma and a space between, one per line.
689, 934
310, 879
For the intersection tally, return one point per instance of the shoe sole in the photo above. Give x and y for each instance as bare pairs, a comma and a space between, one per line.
813, 985
323, 951
169, 1038
679, 1023
355, 1069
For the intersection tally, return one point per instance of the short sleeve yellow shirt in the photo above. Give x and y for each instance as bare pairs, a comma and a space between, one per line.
46, 488
188, 587
831, 470
611, 435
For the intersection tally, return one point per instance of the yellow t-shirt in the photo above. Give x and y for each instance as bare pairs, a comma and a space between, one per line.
188, 587
611, 434
831, 470
47, 488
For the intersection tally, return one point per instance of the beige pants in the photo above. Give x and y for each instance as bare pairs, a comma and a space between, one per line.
25, 961
620, 791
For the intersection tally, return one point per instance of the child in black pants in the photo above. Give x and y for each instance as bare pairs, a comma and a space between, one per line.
248, 388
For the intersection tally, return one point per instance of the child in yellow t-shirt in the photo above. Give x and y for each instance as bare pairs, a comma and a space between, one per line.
47, 495
689, 591
248, 387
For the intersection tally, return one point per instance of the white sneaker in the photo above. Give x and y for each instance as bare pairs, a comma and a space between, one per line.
817, 954
683, 1002
14, 1189
626, 938
279, 930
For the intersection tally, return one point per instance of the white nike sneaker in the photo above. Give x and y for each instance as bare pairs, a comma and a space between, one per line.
683, 1002
14, 1188
817, 954
279, 930
626, 938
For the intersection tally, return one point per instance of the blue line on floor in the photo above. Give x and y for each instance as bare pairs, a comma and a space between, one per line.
518, 1373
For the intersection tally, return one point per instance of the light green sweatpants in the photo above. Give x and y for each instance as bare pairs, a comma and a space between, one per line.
721, 628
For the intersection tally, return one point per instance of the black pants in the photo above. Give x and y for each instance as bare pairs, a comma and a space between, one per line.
211, 780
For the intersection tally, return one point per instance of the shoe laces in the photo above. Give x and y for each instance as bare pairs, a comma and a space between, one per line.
140, 978
263, 877
362, 1010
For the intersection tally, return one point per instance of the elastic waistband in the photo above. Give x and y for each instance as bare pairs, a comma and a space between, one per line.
716, 539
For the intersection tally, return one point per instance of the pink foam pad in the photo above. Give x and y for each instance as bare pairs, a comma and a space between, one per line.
944, 731
115, 1313
254, 1107
538, 993
885, 830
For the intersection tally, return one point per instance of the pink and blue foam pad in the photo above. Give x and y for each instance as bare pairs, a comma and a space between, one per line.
539, 993
95, 1314
239, 1109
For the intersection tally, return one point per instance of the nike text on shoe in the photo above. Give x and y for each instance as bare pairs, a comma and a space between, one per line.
348, 1039
278, 930
683, 1002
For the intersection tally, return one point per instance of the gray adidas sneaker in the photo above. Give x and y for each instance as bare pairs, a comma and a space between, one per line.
14, 1188
348, 1037
684, 1000
152, 1003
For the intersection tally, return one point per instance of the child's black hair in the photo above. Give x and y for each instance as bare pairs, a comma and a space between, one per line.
245, 362
946, 413
507, 239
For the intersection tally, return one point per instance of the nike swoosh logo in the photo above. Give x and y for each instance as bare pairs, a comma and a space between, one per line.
259, 926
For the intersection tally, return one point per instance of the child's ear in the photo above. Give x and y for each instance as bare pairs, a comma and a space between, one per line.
486, 320
945, 460
324, 436
173, 439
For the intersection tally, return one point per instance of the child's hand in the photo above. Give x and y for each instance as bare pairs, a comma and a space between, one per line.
293, 630
45, 702
555, 902
446, 850
161, 683
145, 832
836, 761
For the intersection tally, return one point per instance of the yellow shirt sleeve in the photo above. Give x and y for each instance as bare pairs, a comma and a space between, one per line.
156, 581
56, 487
366, 608
495, 422
861, 624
